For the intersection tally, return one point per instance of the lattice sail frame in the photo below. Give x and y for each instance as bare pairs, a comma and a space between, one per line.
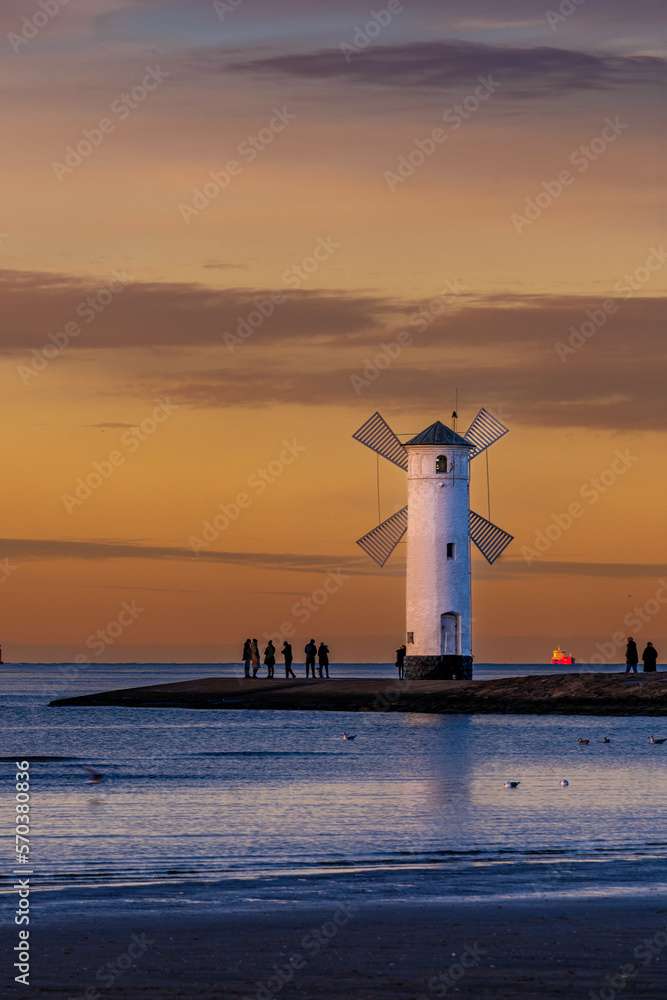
484, 431
488, 537
377, 435
382, 540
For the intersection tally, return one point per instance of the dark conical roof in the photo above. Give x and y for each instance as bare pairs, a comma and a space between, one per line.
438, 433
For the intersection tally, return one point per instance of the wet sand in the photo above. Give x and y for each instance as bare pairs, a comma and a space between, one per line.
471, 950
586, 694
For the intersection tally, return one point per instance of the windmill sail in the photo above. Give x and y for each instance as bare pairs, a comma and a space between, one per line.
484, 431
377, 435
489, 538
382, 540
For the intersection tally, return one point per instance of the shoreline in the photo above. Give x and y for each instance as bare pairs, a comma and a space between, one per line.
570, 694
545, 948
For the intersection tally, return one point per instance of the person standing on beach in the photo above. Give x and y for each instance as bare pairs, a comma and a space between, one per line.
289, 657
247, 657
310, 649
323, 658
270, 659
650, 658
254, 656
400, 661
631, 656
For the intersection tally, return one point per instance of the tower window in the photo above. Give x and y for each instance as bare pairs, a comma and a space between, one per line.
451, 550
440, 465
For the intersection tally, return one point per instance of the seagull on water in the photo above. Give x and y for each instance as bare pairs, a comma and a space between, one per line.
605, 739
348, 736
565, 783
657, 740
583, 742
512, 784
94, 777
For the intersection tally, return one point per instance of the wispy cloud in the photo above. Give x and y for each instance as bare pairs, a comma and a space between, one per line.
22, 549
525, 72
45, 549
503, 349
35, 305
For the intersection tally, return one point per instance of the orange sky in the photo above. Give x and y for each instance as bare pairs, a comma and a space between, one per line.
125, 294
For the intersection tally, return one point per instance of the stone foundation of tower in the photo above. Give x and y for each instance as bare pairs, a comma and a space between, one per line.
440, 668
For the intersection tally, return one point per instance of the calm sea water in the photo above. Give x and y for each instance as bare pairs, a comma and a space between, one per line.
255, 809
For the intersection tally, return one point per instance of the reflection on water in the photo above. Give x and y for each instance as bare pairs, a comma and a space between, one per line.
240, 806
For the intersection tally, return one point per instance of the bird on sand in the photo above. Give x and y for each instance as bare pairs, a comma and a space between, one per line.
348, 736
583, 742
565, 783
657, 740
94, 777
512, 784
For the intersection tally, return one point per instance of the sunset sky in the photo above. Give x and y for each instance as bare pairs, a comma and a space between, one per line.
219, 219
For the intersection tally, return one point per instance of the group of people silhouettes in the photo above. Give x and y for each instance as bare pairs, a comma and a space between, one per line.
649, 657
317, 659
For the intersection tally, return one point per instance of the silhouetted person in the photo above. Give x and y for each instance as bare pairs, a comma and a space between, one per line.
247, 657
254, 656
400, 661
289, 658
270, 658
323, 659
631, 656
310, 649
650, 658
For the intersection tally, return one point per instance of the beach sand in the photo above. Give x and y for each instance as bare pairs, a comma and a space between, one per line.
472, 951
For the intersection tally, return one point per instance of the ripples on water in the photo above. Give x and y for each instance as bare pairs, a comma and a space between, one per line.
239, 808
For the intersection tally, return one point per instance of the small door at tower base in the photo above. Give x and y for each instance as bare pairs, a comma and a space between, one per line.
450, 634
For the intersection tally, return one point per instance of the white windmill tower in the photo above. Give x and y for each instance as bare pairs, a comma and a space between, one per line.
439, 525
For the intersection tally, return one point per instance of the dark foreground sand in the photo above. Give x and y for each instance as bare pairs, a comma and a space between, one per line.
472, 951
590, 694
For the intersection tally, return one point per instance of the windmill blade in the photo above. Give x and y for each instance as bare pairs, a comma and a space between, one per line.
484, 431
382, 540
377, 435
488, 537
